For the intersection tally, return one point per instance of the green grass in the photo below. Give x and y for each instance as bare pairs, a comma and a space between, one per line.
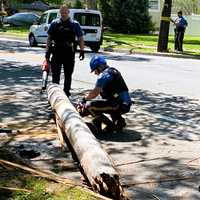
21, 32
31, 187
148, 43
133, 43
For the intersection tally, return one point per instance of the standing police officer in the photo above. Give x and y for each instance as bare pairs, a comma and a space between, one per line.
180, 23
61, 44
115, 97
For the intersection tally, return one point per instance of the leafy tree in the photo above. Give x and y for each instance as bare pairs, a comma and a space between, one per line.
78, 4
105, 7
130, 16
54, 1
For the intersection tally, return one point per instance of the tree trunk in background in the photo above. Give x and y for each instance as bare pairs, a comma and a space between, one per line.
2, 12
7, 6
164, 27
91, 4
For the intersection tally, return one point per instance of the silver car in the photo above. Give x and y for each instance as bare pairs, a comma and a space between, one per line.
21, 19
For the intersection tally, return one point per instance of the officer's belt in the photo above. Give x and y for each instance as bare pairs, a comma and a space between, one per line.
66, 44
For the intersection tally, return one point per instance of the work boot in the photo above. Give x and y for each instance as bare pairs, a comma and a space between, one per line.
97, 123
103, 119
109, 129
92, 127
120, 124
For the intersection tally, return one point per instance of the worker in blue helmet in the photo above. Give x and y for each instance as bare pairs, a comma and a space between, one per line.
115, 100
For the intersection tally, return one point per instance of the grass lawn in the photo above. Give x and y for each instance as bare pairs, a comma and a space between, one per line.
134, 43
21, 32
148, 43
18, 184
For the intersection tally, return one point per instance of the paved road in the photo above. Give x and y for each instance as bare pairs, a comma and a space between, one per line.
158, 153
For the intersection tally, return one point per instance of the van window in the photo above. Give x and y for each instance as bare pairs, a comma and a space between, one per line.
43, 19
52, 16
87, 19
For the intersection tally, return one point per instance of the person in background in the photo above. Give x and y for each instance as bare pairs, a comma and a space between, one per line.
61, 45
115, 100
181, 23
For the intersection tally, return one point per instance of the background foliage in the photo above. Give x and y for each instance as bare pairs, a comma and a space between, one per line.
187, 6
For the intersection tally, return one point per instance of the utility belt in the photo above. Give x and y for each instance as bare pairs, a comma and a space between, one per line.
64, 46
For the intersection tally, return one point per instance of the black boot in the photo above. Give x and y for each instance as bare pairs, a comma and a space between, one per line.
110, 127
103, 119
97, 122
120, 124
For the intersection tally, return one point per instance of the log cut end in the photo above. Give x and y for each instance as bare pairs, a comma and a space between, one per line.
109, 186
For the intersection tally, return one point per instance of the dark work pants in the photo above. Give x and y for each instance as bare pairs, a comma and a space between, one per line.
99, 107
65, 57
179, 36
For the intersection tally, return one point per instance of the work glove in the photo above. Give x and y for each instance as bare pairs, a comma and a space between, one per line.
81, 55
81, 108
83, 100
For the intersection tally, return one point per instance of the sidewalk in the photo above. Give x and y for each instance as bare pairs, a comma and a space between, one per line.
157, 155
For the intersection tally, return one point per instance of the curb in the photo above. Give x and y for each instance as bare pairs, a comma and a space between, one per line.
184, 56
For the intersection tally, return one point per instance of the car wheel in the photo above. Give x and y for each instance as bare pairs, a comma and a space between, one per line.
95, 48
32, 41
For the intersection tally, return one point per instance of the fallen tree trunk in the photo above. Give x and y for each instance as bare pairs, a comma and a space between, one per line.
94, 161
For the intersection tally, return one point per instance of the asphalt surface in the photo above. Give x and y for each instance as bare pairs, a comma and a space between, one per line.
157, 155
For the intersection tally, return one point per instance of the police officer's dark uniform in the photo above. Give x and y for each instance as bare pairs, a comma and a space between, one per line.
115, 100
180, 24
63, 34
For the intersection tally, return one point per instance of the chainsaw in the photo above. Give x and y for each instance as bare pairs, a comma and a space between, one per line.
45, 72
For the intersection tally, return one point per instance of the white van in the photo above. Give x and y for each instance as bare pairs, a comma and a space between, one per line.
90, 21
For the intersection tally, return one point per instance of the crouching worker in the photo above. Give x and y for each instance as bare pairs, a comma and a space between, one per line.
115, 101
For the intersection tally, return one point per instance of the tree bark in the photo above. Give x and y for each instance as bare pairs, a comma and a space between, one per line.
164, 27
94, 161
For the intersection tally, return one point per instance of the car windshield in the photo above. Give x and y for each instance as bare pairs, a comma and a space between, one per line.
87, 19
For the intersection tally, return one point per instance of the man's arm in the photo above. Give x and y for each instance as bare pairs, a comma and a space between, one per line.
186, 23
79, 34
81, 43
93, 93
172, 20
48, 47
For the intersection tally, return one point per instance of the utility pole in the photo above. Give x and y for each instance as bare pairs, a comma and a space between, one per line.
164, 27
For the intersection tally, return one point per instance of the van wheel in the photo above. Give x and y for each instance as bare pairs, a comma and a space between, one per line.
32, 41
95, 48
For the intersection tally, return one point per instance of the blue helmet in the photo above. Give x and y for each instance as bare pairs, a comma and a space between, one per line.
96, 62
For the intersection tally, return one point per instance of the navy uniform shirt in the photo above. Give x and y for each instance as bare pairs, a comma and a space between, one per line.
72, 23
104, 78
181, 22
